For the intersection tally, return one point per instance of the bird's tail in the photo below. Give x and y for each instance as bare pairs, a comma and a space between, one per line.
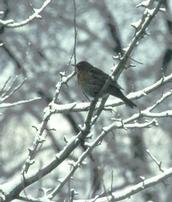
117, 92
127, 101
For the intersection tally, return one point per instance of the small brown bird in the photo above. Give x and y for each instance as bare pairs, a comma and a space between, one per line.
92, 79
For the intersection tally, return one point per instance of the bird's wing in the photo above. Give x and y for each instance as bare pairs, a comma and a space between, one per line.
99, 75
114, 83
102, 77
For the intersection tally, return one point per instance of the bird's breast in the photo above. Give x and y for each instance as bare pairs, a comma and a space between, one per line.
83, 78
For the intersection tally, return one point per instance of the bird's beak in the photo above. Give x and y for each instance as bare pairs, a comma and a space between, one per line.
73, 65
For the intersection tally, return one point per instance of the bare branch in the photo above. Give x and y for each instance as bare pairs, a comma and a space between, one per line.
11, 24
12, 89
13, 104
48, 111
75, 107
158, 163
131, 190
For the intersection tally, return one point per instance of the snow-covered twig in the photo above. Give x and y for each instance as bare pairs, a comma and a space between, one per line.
13, 104
12, 24
131, 190
78, 107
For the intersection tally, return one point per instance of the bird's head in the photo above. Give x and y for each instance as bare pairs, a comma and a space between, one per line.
83, 65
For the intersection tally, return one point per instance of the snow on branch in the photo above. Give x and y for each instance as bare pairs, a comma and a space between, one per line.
78, 107
131, 190
9, 88
20, 102
12, 24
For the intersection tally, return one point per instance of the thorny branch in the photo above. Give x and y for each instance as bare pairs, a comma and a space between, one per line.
79, 107
85, 130
140, 31
131, 190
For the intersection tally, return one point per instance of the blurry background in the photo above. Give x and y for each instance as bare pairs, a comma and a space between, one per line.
42, 49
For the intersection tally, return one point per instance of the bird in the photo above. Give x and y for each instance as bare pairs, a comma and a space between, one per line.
91, 80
